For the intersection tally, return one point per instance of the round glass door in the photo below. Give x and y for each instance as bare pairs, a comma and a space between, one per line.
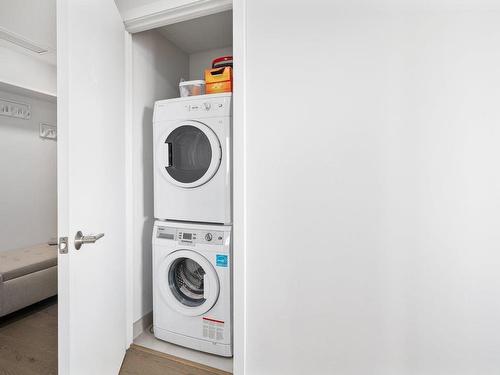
189, 154
187, 282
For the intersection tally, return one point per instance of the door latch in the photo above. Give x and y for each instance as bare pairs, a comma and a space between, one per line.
63, 245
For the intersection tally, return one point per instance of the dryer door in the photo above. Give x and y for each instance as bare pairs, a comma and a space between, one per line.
188, 282
188, 154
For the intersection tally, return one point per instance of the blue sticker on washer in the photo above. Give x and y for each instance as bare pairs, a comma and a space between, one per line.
221, 260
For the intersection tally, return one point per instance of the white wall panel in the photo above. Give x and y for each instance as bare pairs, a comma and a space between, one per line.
33, 20
372, 187
28, 187
21, 69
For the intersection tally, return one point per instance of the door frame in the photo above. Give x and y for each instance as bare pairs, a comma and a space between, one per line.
166, 12
199, 8
239, 186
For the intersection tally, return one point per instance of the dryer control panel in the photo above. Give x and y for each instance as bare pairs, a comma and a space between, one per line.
205, 106
193, 107
190, 236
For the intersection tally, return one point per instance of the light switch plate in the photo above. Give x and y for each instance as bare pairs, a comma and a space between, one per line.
48, 131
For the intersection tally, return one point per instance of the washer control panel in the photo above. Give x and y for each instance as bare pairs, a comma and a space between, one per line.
189, 236
200, 236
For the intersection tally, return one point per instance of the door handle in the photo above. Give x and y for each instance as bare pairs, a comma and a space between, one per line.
205, 286
80, 239
168, 154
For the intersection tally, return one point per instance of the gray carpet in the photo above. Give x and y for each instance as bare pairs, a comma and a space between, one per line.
28, 340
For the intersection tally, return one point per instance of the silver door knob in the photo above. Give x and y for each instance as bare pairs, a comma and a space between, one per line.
80, 239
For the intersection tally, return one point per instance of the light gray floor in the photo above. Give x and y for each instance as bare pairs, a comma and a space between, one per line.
148, 340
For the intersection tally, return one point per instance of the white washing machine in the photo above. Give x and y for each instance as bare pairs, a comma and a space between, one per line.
192, 286
192, 163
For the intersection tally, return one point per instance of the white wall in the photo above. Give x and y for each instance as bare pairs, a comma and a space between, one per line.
129, 8
200, 61
34, 21
23, 70
28, 187
372, 188
158, 67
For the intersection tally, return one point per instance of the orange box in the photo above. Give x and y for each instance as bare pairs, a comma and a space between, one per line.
219, 80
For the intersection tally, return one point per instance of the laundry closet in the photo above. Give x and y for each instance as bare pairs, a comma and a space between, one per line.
161, 58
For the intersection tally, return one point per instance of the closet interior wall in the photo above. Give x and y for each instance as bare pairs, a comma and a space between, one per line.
158, 65
199, 61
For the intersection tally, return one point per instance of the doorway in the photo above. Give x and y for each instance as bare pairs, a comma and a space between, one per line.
161, 58
28, 231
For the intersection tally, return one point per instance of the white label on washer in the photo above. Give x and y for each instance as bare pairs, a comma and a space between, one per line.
213, 329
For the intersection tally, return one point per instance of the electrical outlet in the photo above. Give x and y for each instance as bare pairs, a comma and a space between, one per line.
48, 131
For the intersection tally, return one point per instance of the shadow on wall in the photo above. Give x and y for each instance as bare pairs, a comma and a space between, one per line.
158, 67
148, 202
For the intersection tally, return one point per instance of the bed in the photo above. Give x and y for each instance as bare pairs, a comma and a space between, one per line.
27, 275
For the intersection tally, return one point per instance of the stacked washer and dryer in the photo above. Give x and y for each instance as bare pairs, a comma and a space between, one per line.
192, 291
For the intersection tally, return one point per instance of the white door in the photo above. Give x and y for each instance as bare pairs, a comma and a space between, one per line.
91, 184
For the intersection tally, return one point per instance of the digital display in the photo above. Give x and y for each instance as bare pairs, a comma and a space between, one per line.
187, 236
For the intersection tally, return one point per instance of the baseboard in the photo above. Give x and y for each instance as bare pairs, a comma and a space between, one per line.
142, 324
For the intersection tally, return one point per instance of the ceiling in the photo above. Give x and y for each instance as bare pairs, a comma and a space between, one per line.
31, 22
201, 34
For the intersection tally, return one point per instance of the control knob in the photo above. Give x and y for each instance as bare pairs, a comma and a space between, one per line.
208, 236
207, 106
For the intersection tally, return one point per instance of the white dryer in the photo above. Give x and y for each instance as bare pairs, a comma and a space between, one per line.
192, 159
192, 286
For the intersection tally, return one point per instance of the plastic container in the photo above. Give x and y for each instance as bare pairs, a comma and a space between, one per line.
222, 62
192, 88
219, 80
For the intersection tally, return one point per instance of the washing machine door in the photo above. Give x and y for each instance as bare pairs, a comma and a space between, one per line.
188, 154
188, 282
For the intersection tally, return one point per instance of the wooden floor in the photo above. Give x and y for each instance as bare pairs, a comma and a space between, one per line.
28, 346
142, 361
